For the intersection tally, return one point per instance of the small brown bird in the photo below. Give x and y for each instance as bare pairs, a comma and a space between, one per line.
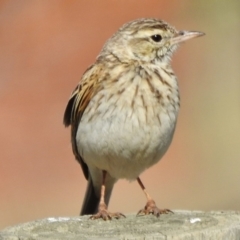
124, 110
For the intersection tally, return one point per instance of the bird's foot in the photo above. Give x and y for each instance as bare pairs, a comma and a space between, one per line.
105, 214
151, 208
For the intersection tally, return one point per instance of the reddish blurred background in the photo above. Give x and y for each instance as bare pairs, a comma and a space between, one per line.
46, 45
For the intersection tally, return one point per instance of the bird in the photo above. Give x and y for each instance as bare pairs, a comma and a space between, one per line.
124, 110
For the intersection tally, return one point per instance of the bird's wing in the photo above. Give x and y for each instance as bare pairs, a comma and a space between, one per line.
76, 106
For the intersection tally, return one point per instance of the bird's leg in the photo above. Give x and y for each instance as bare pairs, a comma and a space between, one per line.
102, 207
150, 207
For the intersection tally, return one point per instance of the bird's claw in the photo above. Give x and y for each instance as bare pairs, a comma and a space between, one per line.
105, 214
151, 208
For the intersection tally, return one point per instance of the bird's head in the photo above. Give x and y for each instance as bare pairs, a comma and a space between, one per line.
147, 40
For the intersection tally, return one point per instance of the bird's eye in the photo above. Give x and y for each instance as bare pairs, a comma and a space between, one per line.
156, 37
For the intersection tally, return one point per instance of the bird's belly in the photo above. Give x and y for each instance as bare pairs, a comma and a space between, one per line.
125, 142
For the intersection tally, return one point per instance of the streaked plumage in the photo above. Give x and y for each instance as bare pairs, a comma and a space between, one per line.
123, 112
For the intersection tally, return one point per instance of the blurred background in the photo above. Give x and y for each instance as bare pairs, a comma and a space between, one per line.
45, 46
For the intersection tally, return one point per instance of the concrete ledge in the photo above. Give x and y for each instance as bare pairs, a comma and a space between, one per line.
187, 225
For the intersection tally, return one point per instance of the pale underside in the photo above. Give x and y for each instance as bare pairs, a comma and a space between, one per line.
127, 131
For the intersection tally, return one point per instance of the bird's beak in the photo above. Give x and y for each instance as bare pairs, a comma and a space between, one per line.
183, 36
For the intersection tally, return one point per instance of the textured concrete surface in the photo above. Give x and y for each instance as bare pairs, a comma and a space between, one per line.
180, 225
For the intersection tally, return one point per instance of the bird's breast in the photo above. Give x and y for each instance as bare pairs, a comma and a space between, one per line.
128, 127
